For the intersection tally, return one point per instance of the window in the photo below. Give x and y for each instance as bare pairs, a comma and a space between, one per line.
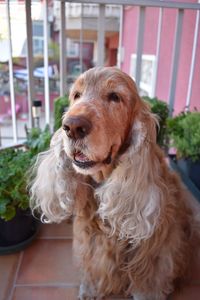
147, 73
37, 28
38, 45
72, 48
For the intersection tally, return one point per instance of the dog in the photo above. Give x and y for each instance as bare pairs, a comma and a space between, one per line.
135, 231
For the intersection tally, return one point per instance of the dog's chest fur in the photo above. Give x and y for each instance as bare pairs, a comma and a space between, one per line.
98, 253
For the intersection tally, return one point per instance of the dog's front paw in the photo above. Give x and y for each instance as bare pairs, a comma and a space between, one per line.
87, 292
139, 296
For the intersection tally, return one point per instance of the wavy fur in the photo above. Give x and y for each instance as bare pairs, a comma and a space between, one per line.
53, 194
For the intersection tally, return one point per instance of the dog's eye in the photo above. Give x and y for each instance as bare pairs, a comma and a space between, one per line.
113, 97
77, 95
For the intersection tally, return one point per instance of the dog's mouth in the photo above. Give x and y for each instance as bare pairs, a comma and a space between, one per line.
82, 161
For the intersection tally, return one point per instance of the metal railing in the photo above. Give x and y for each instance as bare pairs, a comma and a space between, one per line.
142, 4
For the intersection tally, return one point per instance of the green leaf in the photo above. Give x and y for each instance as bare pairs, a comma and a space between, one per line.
9, 214
3, 204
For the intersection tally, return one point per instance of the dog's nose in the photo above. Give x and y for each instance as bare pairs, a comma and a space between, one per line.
77, 127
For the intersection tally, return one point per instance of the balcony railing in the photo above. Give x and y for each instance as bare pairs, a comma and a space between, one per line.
90, 10
103, 11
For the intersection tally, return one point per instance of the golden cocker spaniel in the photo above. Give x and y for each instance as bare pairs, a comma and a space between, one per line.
135, 230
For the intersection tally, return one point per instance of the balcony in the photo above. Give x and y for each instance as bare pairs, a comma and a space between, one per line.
156, 67
118, 37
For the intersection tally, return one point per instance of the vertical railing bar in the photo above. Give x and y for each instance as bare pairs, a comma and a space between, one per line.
155, 71
175, 60
193, 59
46, 63
11, 77
119, 55
140, 40
101, 36
63, 71
29, 35
81, 37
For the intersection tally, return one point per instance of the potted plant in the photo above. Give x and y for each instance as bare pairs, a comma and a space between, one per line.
17, 226
160, 108
184, 133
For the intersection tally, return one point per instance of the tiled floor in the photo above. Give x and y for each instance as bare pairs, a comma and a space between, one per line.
45, 270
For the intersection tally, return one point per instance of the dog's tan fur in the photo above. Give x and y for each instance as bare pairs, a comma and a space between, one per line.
134, 228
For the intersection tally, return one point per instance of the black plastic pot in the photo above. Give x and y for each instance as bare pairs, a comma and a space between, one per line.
17, 233
194, 173
190, 169
182, 167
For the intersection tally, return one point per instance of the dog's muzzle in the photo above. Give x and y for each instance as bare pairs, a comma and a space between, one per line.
77, 128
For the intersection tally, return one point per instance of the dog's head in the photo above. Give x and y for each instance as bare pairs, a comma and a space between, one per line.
107, 127
97, 126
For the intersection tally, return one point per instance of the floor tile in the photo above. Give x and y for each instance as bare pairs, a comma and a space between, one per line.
46, 293
62, 230
8, 266
46, 262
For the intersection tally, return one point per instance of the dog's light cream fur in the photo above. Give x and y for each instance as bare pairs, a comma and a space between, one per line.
134, 228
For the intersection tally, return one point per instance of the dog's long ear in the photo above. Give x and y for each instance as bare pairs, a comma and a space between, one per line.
144, 126
53, 187
130, 199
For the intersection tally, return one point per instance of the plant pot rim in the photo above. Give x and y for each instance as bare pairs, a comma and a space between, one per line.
4, 250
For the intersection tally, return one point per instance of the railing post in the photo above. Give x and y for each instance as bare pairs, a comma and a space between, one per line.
119, 54
29, 35
194, 51
46, 63
140, 39
155, 75
81, 38
11, 77
101, 36
175, 60
63, 71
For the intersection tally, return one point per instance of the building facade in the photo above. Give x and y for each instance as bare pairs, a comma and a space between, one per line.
160, 86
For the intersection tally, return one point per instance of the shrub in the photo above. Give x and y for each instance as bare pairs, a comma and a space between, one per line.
184, 131
60, 106
161, 109
13, 167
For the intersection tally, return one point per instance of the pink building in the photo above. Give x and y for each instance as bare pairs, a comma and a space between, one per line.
164, 63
